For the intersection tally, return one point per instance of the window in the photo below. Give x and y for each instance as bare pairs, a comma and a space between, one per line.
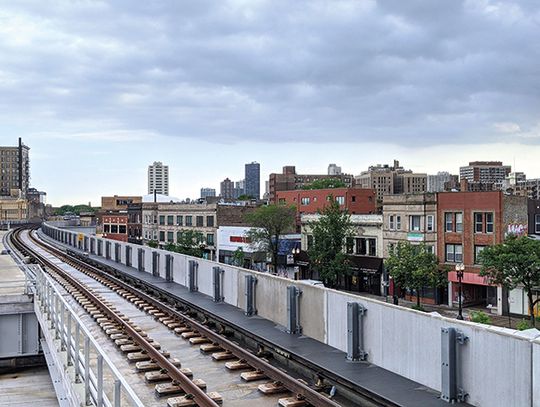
430, 223
309, 241
170, 236
281, 201
161, 219
161, 236
304, 201
448, 222
170, 220
340, 200
178, 236
114, 228
372, 251
537, 223
489, 222
430, 249
414, 223
459, 222
179, 220
189, 220
398, 222
210, 221
122, 229
200, 221
360, 246
477, 250
353, 198
210, 239
106, 228
454, 253
349, 245
391, 223
478, 223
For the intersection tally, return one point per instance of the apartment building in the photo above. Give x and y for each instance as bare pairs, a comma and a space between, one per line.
289, 180
112, 218
483, 175
158, 178
253, 180
14, 170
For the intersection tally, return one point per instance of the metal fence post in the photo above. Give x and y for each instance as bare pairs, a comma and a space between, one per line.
218, 283
117, 393
69, 361
77, 350
193, 277
250, 293
87, 395
100, 381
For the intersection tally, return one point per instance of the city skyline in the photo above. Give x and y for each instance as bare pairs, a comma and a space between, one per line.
98, 90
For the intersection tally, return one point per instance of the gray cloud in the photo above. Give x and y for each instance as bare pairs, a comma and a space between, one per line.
227, 71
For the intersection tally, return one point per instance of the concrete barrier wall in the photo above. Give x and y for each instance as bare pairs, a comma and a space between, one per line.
498, 366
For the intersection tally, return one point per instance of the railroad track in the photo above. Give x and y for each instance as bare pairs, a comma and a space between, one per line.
154, 362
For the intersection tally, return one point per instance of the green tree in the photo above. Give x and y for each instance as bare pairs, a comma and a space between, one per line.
267, 223
330, 233
153, 243
238, 257
245, 197
77, 209
325, 183
413, 267
191, 243
516, 262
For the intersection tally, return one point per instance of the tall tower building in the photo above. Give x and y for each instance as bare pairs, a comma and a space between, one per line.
253, 180
227, 189
15, 169
158, 178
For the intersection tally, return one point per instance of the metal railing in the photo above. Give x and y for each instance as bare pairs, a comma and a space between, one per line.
86, 362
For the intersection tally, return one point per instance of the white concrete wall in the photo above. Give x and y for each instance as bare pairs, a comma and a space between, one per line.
498, 366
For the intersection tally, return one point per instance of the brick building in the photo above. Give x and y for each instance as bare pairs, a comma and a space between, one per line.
114, 226
466, 223
354, 200
289, 180
112, 218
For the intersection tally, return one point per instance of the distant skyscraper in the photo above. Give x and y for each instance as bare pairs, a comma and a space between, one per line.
333, 169
15, 169
158, 178
253, 180
226, 189
440, 182
239, 188
207, 192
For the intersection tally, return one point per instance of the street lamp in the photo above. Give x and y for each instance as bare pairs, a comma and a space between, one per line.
460, 267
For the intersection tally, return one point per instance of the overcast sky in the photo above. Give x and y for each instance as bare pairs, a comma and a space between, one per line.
99, 90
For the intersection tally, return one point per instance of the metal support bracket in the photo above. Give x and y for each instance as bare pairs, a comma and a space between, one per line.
293, 310
450, 372
355, 332
193, 276
250, 293
218, 284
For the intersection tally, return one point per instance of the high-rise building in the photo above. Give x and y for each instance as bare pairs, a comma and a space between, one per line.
239, 188
207, 192
442, 181
226, 189
158, 178
483, 175
15, 170
253, 180
333, 169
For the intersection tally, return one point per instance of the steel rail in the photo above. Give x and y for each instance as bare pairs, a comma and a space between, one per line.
297, 387
199, 396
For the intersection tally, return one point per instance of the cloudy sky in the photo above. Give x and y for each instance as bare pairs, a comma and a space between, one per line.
99, 90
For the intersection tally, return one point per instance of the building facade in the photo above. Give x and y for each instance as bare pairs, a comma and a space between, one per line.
165, 222
207, 192
354, 200
483, 175
392, 179
253, 180
112, 218
467, 222
333, 169
14, 170
442, 181
226, 189
158, 178
13, 209
364, 250
289, 180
